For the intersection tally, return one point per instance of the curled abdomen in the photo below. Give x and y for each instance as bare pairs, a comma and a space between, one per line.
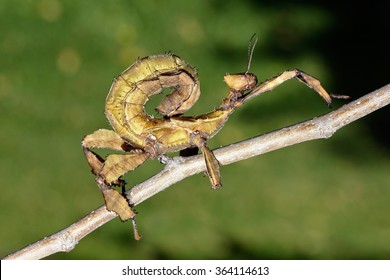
132, 88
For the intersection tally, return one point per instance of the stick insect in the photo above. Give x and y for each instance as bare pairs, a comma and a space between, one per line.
142, 136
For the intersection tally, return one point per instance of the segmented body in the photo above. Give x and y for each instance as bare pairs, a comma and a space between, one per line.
142, 136
148, 76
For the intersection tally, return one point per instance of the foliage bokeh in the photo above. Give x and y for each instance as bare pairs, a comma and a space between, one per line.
317, 200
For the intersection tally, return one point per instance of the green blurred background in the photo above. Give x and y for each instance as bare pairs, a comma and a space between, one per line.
326, 199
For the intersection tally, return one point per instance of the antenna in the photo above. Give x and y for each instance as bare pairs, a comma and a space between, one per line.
251, 48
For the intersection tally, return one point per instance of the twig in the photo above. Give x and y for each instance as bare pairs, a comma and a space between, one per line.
179, 168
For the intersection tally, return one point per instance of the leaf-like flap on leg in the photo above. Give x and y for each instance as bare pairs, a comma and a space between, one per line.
117, 203
212, 165
94, 161
117, 165
104, 138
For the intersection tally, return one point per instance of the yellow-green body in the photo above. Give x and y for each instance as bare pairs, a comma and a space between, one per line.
148, 76
142, 136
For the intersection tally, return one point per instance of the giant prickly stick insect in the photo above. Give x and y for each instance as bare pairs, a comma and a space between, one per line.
144, 137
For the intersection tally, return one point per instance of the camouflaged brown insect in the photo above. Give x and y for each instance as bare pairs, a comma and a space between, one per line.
145, 137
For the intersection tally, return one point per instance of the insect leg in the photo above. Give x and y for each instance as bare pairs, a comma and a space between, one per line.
212, 165
114, 167
211, 161
114, 201
301, 76
103, 138
117, 203
117, 165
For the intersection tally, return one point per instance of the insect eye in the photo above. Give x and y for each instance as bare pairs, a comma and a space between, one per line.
251, 80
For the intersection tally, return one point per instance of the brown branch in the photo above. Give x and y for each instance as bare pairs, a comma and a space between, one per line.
179, 168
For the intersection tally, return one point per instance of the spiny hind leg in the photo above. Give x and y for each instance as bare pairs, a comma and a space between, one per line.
117, 165
117, 203
103, 138
108, 171
113, 168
